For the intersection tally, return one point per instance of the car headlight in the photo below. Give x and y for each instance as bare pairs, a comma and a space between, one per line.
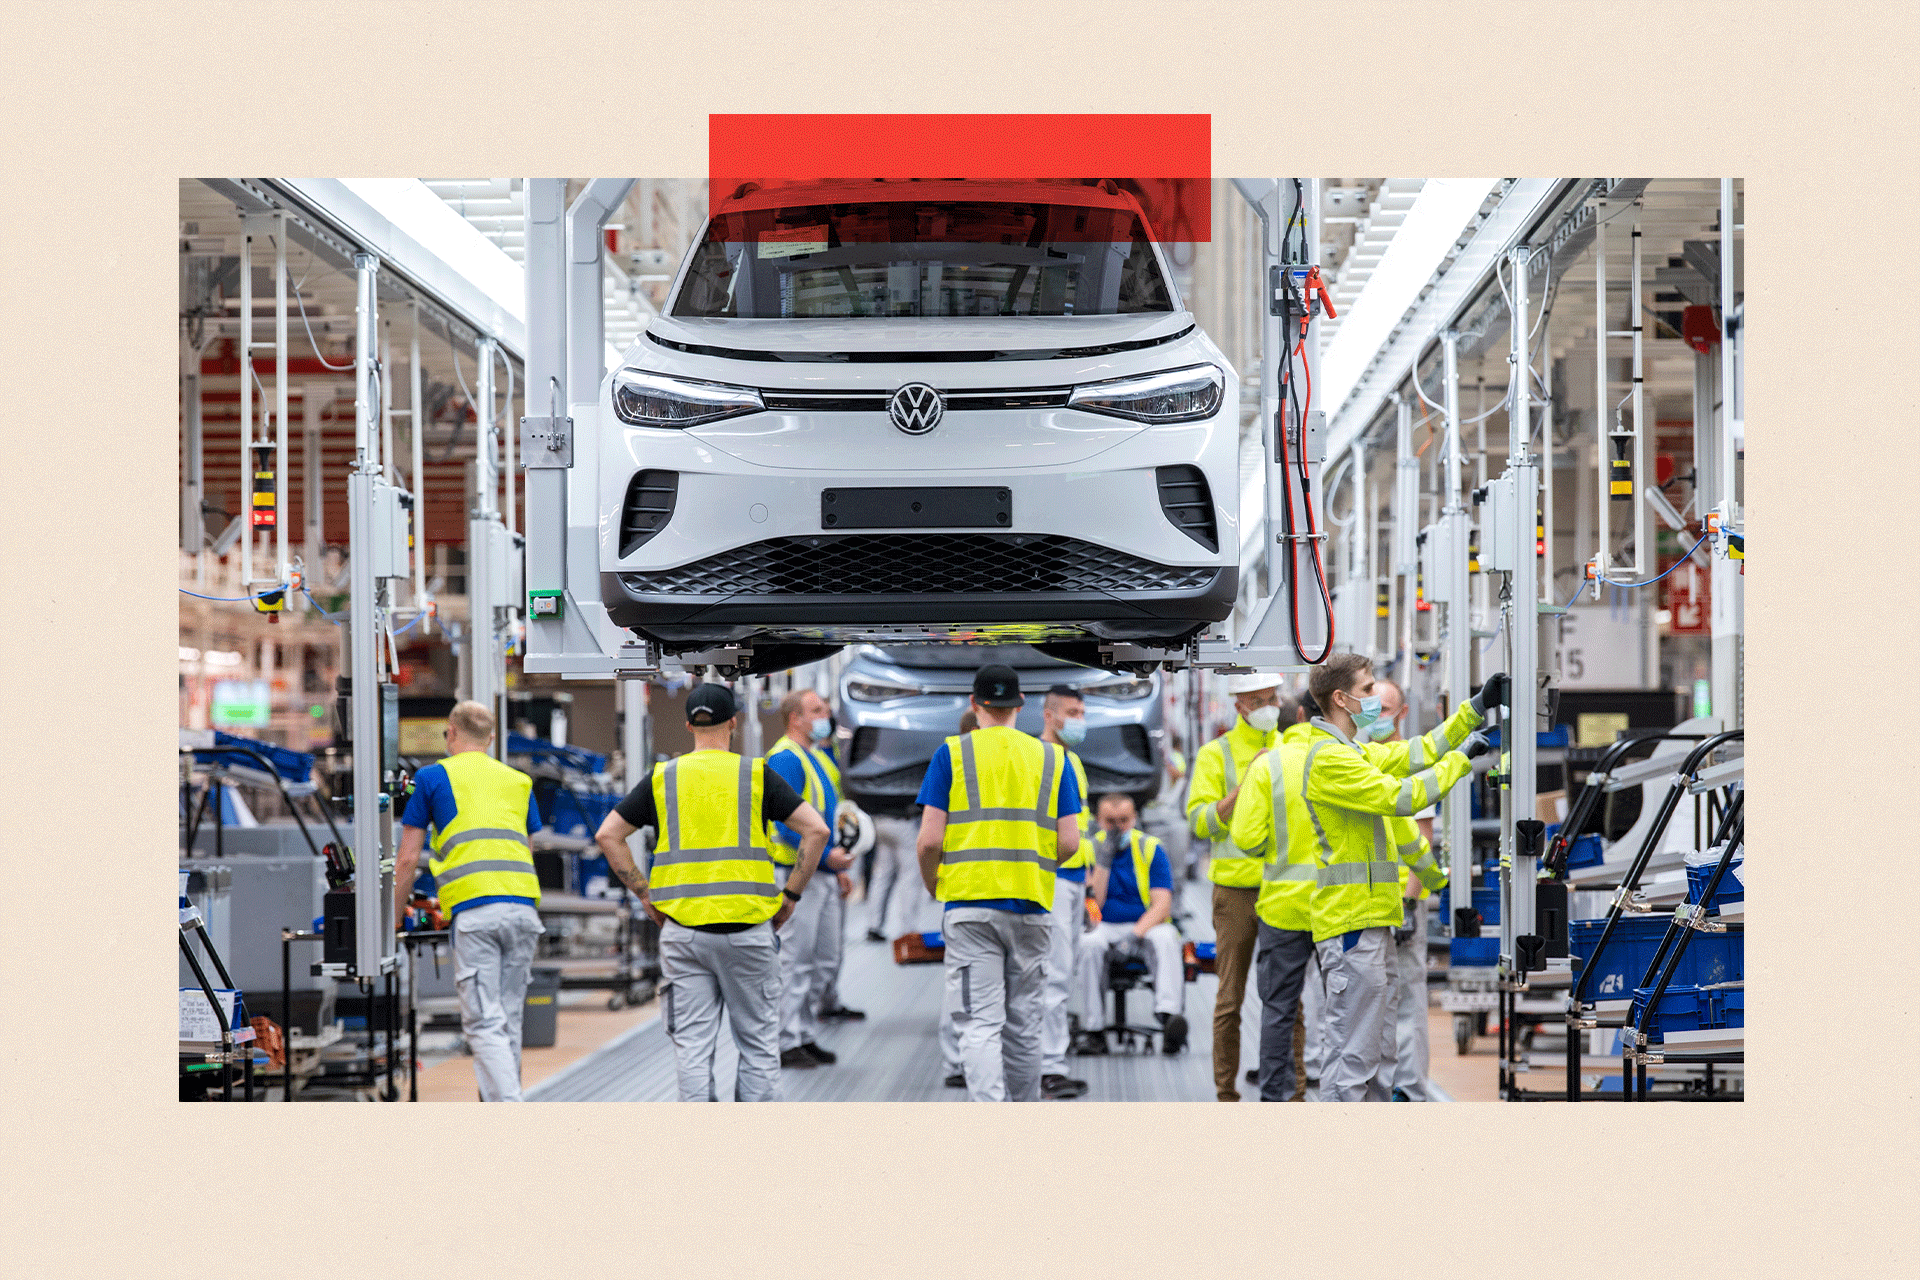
878, 691
653, 400
1178, 395
1121, 690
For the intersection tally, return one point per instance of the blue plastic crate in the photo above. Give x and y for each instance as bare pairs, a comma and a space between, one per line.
1586, 851
1689, 1009
933, 941
294, 766
1710, 957
1203, 951
1473, 953
1554, 737
1730, 890
1486, 900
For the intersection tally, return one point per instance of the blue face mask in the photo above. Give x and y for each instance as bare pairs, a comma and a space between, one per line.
1073, 732
1368, 713
1380, 730
822, 730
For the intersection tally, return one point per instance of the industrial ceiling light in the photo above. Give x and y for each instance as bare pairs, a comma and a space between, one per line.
1430, 231
412, 207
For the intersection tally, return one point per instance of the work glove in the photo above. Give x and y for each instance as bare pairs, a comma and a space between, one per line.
1492, 694
1477, 743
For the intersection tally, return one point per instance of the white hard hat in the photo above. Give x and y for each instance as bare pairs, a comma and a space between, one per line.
1252, 682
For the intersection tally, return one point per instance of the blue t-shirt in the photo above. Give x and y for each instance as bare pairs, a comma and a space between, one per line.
1123, 904
787, 764
432, 805
938, 786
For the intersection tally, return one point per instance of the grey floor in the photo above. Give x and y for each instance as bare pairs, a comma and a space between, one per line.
894, 1055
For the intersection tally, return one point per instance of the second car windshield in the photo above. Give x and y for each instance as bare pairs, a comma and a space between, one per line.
908, 258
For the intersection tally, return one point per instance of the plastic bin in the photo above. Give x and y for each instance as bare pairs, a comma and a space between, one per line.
1473, 953
1485, 900
540, 1021
1710, 957
1689, 1009
1731, 889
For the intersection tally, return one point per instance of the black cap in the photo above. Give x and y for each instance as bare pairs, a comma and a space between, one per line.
997, 686
709, 704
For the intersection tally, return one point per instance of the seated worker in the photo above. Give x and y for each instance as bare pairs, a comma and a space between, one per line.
1132, 883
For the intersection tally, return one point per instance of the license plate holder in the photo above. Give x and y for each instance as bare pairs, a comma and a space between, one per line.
957, 507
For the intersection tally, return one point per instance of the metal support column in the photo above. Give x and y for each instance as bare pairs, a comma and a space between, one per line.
483, 592
1406, 527
314, 396
1728, 586
586, 361
193, 517
363, 626
417, 475
1456, 810
1523, 633
282, 565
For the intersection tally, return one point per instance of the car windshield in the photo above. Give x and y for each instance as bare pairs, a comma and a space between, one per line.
919, 258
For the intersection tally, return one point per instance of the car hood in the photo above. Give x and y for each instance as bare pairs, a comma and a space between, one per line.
915, 338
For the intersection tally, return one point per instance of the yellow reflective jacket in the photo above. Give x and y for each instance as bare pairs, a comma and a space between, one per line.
484, 852
1003, 811
817, 769
1217, 768
713, 865
1269, 823
1348, 798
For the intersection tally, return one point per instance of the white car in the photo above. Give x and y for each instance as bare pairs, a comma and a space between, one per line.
892, 411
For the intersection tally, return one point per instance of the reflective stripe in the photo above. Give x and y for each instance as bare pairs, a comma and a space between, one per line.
999, 815
1278, 871
1226, 764
751, 888
999, 855
741, 832
669, 782
482, 833
1319, 832
970, 773
1409, 849
1417, 752
1359, 873
1215, 828
1404, 806
726, 853
450, 874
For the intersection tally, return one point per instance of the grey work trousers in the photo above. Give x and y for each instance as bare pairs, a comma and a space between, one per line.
896, 896
807, 952
1280, 969
1313, 1010
831, 948
996, 969
1363, 1002
703, 975
1410, 1056
1068, 922
492, 954
1160, 948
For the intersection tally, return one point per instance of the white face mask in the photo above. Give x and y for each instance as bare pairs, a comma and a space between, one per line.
822, 728
1264, 719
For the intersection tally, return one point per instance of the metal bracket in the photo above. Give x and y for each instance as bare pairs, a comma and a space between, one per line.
546, 443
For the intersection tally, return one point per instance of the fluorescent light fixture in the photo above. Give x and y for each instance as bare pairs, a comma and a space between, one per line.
1439, 214
412, 207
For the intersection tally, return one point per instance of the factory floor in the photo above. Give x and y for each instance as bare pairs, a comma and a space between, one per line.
893, 1055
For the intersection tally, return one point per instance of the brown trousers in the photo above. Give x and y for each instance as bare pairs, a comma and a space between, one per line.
1236, 931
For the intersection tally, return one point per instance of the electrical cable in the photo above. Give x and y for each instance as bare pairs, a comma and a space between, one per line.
334, 618
410, 626
258, 595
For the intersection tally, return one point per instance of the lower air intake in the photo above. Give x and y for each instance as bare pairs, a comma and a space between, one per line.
919, 564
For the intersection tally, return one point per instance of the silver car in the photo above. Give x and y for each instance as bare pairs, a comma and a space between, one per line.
901, 701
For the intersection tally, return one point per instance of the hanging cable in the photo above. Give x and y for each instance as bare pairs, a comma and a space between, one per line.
258, 595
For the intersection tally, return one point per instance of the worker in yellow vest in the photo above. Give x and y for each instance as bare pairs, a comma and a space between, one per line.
1349, 789
1133, 885
999, 813
810, 941
1063, 723
1410, 1052
1219, 768
712, 889
482, 815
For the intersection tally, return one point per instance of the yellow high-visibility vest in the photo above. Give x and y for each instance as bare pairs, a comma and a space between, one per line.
816, 770
713, 865
484, 852
1217, 767
1003, 807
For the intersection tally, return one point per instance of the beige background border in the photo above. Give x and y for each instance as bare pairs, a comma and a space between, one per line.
106, 105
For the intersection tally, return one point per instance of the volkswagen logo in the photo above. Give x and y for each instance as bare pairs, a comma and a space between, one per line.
916, 408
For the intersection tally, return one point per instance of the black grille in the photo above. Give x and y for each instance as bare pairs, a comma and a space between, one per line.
1188, 502
649, 505
1134, 738
876, 401
865, 739
918, 564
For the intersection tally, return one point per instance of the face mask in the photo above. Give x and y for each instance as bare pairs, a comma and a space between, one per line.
1074, 731
1369, 711
1380, 730
1265, 719
822, 729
